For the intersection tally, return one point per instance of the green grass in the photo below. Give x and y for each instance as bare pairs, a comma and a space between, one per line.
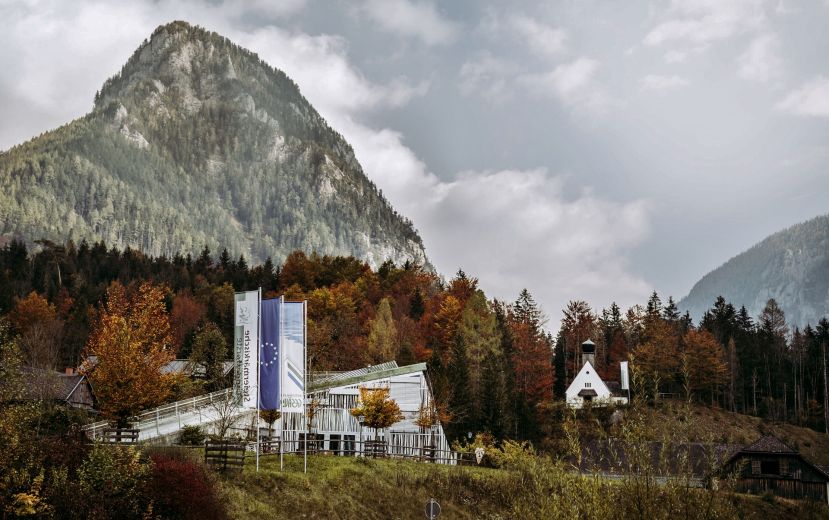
345, 487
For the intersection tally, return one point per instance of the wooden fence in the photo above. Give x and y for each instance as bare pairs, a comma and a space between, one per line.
119, 436
224, 455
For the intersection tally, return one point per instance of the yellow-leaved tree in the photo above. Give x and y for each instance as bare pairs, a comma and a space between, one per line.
377, 408
131, 341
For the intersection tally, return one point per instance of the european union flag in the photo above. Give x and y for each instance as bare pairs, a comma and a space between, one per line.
269, 364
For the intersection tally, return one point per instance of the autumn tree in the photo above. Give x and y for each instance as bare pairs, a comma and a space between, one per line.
703, 363
377, 408
40, 329
577, 326
532, 354
209, 354
270, 417
656, 360
333, 328
479, 334
131, 342
185, 316
382, 336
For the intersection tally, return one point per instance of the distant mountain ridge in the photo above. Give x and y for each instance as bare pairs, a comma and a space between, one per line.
791, 266
199, 142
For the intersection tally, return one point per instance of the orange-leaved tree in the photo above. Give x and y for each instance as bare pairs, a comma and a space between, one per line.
377, 407
131, 341
703, 363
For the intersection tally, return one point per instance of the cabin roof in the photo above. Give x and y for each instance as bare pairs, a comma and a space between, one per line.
769, 444
57, 385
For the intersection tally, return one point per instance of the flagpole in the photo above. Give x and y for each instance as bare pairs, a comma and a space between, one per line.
258, 371
305, 375
281, 364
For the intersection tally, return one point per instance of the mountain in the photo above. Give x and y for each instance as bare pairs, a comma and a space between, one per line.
791, 266
197, 142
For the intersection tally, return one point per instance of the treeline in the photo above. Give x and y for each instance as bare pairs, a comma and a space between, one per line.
755, 366
490, 362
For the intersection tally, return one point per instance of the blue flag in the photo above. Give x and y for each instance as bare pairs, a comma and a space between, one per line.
269, 363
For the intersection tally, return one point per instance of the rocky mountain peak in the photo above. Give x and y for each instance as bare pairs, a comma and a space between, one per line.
197, 141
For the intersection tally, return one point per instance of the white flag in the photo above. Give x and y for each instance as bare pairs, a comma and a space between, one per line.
246, 349
293, 357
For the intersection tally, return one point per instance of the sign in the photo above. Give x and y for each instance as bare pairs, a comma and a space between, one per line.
246, 348
293, 356
479, 455
432, 509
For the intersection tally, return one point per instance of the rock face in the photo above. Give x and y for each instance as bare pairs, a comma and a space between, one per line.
791, 266
197, 142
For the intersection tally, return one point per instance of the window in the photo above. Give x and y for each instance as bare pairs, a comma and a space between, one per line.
587, 385
348, 444
755, 467
770, 467
334, 444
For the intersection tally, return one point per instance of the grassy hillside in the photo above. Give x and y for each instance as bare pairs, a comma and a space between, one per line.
345, 488
702, 423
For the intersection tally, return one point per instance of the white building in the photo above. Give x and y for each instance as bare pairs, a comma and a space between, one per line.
336, 430
588, 386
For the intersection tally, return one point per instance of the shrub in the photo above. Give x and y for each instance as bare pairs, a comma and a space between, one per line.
191, 436
112, 479
181, 487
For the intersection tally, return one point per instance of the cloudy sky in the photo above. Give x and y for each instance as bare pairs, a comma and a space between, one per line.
584, 149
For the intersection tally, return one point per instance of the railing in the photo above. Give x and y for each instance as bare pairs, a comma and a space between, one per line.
368, 449
151, 419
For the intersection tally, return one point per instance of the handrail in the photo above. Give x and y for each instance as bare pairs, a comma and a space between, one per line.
154, 415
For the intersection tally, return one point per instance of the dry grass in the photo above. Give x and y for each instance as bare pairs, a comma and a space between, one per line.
714, 424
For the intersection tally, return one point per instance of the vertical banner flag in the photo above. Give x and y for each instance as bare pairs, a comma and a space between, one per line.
245, 349
269, 364
623, 367
293, 357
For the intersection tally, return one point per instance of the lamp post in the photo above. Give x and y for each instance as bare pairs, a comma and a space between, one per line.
361, 419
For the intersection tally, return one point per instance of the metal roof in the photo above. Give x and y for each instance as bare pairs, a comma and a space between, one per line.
364, 375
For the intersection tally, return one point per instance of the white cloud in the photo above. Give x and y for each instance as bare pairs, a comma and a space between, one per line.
812, 99
320, 66
572, 83
561, 247
485, 75
702, 22
655, 82
412, 19
761, 62
573, 247
541, 38
511, 228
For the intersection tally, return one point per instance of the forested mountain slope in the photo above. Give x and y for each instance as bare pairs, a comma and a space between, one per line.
791, 266
197, 142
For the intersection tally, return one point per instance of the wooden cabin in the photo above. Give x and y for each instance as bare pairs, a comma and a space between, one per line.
770, 466
69, 387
